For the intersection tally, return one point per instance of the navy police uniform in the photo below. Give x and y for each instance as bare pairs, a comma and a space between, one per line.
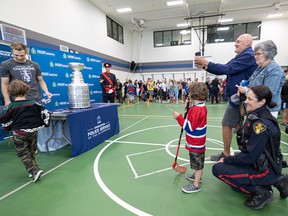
250, 168
108, 83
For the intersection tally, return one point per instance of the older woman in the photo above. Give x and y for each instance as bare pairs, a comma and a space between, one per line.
268, 73
258, 165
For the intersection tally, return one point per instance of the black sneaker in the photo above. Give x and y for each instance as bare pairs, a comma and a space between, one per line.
282, 186
217, 157
259, 198
37, 175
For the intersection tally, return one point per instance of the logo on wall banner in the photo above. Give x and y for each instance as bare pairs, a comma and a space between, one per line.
51, 64
64, 56
67, 75
33, 51
54, 85
88, 59
26, 76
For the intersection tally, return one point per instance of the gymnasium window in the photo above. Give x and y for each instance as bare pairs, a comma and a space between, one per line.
172, 37
114, 30
230, 33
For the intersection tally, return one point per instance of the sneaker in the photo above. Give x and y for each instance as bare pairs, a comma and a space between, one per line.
30, 175
191, 177
191, 188
217, 157
37, 175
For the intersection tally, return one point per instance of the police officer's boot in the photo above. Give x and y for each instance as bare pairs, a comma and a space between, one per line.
260, 197
282, 186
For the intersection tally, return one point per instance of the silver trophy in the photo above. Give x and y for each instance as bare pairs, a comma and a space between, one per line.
78, 90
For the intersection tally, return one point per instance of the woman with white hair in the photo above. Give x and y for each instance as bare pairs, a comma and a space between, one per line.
268, 73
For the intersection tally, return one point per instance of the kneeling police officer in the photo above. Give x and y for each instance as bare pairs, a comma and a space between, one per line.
258, 166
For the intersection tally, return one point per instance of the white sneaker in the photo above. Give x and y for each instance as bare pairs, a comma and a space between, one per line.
37, 175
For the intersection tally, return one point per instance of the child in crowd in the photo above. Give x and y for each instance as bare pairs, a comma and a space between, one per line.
171, 94
131, 91
195, 126
24, 118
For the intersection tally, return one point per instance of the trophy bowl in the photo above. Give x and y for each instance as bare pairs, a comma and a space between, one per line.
76, 66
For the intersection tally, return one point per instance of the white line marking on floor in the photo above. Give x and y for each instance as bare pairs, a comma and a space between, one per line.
28, 183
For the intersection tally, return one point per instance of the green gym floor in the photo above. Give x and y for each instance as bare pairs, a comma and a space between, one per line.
129, 174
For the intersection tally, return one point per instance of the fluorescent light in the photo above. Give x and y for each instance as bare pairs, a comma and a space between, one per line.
223, 29
172, 3
182, 24
123, 10
274, 15
185, 32
219, 40
225, 20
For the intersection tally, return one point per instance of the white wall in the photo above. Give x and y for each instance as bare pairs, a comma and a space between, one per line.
75, 21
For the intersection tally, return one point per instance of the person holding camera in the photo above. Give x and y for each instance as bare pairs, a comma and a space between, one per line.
237, 69
258, 166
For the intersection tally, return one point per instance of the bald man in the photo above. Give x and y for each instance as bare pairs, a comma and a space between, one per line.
237, 69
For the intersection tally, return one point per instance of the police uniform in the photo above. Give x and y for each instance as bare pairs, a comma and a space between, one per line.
250, 168
108, 83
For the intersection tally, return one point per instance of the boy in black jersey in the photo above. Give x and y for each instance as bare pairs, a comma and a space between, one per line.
24, 118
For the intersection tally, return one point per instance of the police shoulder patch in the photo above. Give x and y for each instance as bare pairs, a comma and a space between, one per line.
259, 127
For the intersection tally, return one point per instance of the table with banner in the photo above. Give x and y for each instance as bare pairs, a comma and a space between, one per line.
84, 129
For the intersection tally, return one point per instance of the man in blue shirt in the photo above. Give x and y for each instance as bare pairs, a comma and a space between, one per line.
237, 69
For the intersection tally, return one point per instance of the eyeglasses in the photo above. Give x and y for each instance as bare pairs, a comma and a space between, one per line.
258, 54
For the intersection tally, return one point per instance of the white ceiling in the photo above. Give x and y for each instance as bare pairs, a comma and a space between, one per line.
158, 16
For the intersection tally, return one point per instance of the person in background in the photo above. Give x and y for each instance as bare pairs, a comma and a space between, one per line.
20, 68
108, 83
119, 88
215, 90
131, 91
258, 166
284, 97
268, 73
195, 126
237, 69
24, 118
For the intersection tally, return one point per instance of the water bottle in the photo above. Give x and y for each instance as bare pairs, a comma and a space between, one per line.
244, 83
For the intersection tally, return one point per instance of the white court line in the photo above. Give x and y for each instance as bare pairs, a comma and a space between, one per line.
28, 183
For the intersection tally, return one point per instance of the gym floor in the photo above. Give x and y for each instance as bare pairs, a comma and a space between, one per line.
129, 174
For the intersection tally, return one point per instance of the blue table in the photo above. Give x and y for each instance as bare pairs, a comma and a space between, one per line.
84, 128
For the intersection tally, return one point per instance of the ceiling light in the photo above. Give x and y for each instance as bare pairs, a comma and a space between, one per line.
274, 15
225, 20
219, 40
223, 29
123, 10
185, 32
182, 24
172, 3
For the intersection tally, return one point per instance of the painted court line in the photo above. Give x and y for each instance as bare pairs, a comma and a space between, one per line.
28, 183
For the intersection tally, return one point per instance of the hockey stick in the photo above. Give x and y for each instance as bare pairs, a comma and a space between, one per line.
175, 166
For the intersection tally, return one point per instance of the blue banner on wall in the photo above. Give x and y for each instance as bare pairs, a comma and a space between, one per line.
5, 54
55, 69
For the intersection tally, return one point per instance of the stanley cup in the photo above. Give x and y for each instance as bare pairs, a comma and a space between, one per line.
78, 90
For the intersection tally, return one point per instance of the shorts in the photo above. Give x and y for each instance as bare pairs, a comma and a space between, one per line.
231, 117
197, 160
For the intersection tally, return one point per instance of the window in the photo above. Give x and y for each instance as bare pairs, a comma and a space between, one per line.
114, 30
229, 33
172, 38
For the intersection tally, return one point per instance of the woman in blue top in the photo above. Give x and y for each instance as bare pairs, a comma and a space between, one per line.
268, 73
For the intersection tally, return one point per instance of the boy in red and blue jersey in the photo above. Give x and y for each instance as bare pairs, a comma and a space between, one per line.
195, 126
